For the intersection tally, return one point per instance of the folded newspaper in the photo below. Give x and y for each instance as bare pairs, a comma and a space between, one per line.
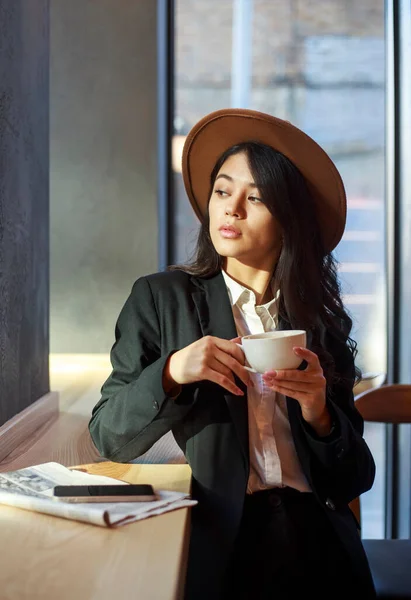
32, 489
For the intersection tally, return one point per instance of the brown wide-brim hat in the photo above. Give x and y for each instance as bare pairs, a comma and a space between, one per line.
220, 130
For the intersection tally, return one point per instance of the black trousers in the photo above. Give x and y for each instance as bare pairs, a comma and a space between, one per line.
287, 549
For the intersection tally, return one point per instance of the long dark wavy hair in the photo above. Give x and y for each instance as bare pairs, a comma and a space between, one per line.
306, 273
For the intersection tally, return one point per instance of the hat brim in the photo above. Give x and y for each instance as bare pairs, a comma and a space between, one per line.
220, 130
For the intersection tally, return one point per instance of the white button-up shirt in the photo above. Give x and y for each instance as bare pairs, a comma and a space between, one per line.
273, 459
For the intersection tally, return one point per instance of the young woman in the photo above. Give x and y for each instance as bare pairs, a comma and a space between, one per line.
275, 458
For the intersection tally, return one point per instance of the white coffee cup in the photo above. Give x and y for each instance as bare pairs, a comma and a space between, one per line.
273, 350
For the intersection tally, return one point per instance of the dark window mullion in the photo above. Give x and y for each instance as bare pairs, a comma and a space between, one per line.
165, 118
393, 249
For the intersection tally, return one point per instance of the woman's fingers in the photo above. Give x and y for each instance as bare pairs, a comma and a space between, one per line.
295, 375
298, 386
230, 347
312, 360
223, 377
307, 386
210, 358
300, 395
233, 365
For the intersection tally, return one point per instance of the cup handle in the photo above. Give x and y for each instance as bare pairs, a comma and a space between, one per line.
250, 369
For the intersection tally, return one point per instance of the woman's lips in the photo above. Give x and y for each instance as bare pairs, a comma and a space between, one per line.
229, 232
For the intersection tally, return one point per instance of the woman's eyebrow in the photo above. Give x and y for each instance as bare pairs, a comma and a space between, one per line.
224, 176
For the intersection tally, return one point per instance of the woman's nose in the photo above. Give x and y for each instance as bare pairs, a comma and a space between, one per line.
234, 206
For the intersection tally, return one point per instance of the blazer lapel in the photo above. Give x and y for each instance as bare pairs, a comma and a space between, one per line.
216, 318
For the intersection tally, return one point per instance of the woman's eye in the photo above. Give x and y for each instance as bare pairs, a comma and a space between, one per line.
220, 193
254, 199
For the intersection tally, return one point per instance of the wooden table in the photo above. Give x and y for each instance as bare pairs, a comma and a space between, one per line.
50, 558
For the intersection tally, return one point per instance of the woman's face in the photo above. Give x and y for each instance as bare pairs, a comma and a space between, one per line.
241, 227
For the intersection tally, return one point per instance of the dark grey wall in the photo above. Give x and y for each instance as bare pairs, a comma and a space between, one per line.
24, 203
103, 164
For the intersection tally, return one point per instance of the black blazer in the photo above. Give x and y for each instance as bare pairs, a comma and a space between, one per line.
165, 312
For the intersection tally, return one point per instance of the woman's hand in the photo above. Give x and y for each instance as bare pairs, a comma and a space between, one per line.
308, 387
209, 358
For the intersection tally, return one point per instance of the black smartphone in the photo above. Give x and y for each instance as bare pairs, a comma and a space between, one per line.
105, 493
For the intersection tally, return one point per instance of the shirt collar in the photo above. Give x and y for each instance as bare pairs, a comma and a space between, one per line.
236, 290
